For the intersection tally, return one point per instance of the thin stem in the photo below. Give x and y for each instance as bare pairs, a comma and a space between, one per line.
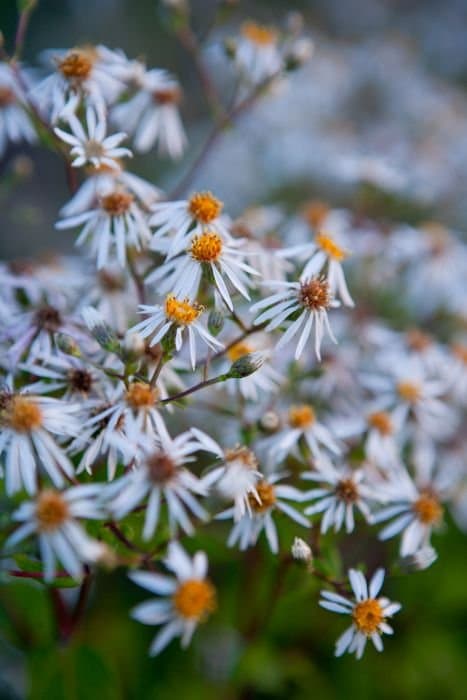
37, 575
81, 603
22, 28
138, 280
196, 387
157, 371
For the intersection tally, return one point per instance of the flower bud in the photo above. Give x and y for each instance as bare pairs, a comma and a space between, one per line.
269, 422
101, 330
301, 551
215, 322
246, 365
67, 344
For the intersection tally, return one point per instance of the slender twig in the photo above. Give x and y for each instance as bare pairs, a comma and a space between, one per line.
138, 280
81, 603
157, 371
23, 22
113, 527
196, 387
37, 575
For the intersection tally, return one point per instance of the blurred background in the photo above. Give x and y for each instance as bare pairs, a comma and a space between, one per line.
377, 121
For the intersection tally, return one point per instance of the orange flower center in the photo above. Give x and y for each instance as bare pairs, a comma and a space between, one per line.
301, 416
381, 420
315, 212
428, 509
204, 207
23, 414
259, 34
141, 395
207, 247
76, 66
181, 312
194, 599
314, 294
267, 497
238, 350
409, 391
51, 510
460, 351
346, 490
367, 616
330, 247
168, 96
116, 203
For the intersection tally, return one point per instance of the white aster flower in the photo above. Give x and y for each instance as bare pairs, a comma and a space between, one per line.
176, 316
54, 517
257, 54
184, 601
310, 299
27, 439
270, 498
15, 124
117, 223
369, 613
69, 375
93, 147
302, 424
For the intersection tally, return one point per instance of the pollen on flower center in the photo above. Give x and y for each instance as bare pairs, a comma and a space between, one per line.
204, 207
238, 350
161, 467
409, 391
116, 203
140, 395
207, 247
168, 96
51, 510
194, 599
259, 34
346, 490
241, 454
381, 420
301, 416
367, 616
23, 414
314, 294
428, 509
77, 65
7, 97
181, 311
267, 497
330, 247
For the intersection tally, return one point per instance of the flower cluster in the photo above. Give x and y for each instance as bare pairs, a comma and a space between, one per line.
194, 367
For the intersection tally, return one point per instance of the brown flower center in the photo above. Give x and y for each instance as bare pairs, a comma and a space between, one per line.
76, 66
301, 416
116, 203
161, 467
23, 414
194, 599
346, 490
80, 380
314, 294
51, 510
204, 207
7, 97
111, 282
267, 497
140, 395
381, 420
48, 319
367, 616
168, 96
417, 340
428, 509
207, 247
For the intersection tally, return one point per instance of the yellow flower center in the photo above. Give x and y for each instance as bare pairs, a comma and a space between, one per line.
409, 391
460, 351
367, 616
194, 599
330, 247
428, 509
204, 207
7, 97
315, 212
381, 420
314, 294
168, 96
141, 395
207, 247
51, 510
116, 203
267, 497
77, 65
301, 416
259, 34
181, 312
241, 454
23, 414
346, 490
238, 350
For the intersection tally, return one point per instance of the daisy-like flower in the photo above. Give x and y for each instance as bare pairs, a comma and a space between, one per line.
340, 493
159, 475
189, 597
310, 299
236, 478
93, 147
29, 424
257, 53
54, 516
114, 296
15, 125
271, 498
175, 221
176, 316
80, 75
211, 254
152, 114
302, 424
64, 373
326, 257
116, 223
369, 613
